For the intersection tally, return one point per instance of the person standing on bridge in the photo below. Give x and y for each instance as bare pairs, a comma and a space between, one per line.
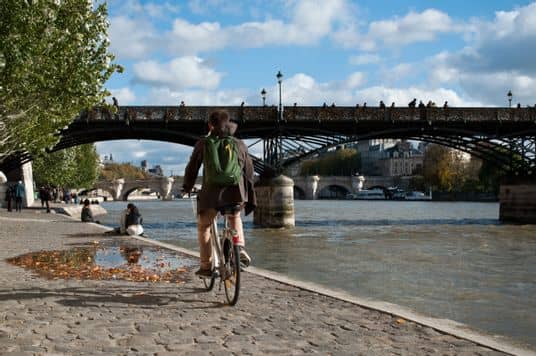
213, 197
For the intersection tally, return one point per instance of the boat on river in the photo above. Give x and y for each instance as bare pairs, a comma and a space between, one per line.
414, 195
365, 194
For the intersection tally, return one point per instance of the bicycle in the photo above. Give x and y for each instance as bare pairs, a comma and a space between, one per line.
225, 259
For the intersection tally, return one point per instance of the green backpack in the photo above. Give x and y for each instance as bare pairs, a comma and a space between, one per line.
220, 161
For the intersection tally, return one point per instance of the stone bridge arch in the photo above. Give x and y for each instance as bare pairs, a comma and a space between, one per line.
333, 191
121, 188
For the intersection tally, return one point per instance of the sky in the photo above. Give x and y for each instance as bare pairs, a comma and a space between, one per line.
224, 52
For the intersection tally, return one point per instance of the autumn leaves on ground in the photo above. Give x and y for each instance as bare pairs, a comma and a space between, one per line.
107, 262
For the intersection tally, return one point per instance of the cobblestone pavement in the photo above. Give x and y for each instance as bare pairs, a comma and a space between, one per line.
40, 316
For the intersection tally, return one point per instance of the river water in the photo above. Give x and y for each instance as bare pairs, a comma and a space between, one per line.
443, 259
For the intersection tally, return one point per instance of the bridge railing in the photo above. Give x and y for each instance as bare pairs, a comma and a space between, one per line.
298, 113
308, 113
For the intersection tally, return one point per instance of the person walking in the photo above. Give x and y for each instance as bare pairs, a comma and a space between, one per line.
19, 194
231, 198
10, 195
46, 197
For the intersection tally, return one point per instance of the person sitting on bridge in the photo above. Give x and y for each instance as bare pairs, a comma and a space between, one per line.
212, 198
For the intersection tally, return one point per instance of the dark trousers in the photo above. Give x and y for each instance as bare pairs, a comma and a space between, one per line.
18, 204
9, 205
48, 206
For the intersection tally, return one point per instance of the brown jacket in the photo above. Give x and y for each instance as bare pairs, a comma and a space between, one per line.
215, 197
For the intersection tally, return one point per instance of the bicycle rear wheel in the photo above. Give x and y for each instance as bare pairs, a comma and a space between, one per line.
232, 278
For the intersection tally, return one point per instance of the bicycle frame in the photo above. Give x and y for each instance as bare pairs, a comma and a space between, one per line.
217, 242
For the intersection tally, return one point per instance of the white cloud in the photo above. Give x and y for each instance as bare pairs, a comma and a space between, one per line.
132, 38
179, 73
497, 58
166, 96
398, 32
125, 96
366, 58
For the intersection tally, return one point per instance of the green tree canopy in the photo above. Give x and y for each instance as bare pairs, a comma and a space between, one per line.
121, 170
74, 167
54, 62
342, 162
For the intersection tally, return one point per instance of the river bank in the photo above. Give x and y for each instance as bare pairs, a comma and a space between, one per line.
73, 316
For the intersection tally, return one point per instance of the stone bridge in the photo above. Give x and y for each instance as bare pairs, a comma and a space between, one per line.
315, 187
120, 189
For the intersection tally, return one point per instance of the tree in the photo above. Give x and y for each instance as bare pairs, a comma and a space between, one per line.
74, 167
343, 162
122, 170
447, 169
53, 64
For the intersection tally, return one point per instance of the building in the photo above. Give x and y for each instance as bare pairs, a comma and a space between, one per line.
144, 165
401, 160
156, 170
371, 151
106, 160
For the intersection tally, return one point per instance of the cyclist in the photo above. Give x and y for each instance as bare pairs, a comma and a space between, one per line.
212, 199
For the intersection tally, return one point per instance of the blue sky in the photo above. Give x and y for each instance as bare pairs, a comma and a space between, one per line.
223, 52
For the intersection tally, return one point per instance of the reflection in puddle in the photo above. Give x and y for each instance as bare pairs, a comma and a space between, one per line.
109, 261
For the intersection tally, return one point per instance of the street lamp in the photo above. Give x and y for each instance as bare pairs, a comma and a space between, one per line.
263, 94
279, 77
509, 95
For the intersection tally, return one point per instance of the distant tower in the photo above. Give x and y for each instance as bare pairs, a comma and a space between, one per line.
144, 165
111, 158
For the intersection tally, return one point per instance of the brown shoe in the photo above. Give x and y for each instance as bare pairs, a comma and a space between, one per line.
203, 272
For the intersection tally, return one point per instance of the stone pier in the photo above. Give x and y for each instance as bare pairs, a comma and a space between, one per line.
518, 202
24, 174
275, 202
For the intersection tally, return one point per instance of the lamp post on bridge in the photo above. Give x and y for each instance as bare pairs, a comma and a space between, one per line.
263, 95
279, 77
509, 95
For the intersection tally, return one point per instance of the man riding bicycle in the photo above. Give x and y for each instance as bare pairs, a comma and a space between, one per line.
214, 197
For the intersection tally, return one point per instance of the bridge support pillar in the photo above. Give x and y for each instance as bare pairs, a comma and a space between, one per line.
165, 185
3, 188
518, 203
312, 187
117, 189
275, 202
23, 173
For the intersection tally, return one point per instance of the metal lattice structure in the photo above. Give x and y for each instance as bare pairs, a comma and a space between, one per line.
504, 136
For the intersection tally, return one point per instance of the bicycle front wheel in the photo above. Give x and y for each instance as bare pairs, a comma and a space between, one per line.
232, 278
209, 283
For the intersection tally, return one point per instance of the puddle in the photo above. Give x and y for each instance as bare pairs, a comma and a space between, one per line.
109, 261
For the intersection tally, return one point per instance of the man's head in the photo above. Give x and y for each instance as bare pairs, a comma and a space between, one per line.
130, 206
86, 202
220, 123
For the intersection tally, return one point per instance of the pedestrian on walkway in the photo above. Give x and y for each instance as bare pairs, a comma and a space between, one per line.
46, 197
19, 194
10, 195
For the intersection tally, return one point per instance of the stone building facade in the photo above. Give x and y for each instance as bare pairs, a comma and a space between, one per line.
401, 160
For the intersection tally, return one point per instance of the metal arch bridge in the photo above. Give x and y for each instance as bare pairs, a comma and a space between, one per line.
504, 136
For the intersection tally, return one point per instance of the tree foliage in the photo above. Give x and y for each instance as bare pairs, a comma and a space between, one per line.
342, 162
447, 169
75, 167
54, 62
121, 170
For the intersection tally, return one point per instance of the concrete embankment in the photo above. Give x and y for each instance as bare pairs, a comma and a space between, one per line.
89, 317
76, 210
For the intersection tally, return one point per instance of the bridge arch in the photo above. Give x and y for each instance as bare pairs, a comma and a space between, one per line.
299, 193
333, 191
